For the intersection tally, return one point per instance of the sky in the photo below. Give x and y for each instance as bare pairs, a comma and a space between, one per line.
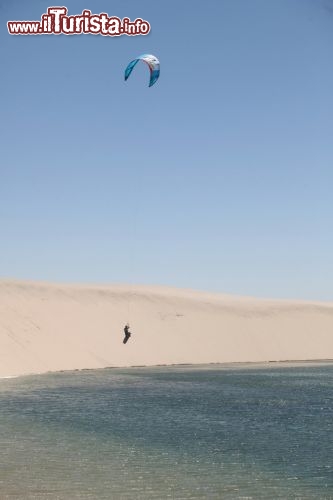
219, 177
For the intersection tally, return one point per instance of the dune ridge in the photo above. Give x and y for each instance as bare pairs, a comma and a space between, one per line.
50, 327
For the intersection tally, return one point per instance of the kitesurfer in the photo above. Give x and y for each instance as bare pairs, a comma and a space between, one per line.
127, 333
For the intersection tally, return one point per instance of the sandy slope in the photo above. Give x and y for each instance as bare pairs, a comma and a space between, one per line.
47, 327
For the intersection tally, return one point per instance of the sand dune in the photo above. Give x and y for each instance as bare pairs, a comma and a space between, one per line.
46, 327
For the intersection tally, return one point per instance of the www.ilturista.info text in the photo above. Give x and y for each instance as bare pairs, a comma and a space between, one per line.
57, 22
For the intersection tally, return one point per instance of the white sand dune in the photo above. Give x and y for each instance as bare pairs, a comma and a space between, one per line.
48, 327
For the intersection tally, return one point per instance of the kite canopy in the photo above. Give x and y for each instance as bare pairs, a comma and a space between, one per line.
154, 67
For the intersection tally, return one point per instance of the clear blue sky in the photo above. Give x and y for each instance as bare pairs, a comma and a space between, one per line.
219, 177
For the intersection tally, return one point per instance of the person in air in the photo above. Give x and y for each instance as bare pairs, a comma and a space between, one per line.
127, 333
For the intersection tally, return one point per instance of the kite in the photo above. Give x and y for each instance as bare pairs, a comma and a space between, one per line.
153, 63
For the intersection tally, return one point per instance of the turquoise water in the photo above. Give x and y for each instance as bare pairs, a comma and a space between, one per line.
253, 431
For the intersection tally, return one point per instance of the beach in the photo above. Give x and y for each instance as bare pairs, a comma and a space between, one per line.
52, 327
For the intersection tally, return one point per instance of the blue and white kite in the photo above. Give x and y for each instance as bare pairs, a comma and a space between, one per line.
153, 63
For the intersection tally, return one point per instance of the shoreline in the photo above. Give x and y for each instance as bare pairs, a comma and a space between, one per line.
245, 364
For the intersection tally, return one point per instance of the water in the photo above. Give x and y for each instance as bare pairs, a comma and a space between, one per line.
254, 431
